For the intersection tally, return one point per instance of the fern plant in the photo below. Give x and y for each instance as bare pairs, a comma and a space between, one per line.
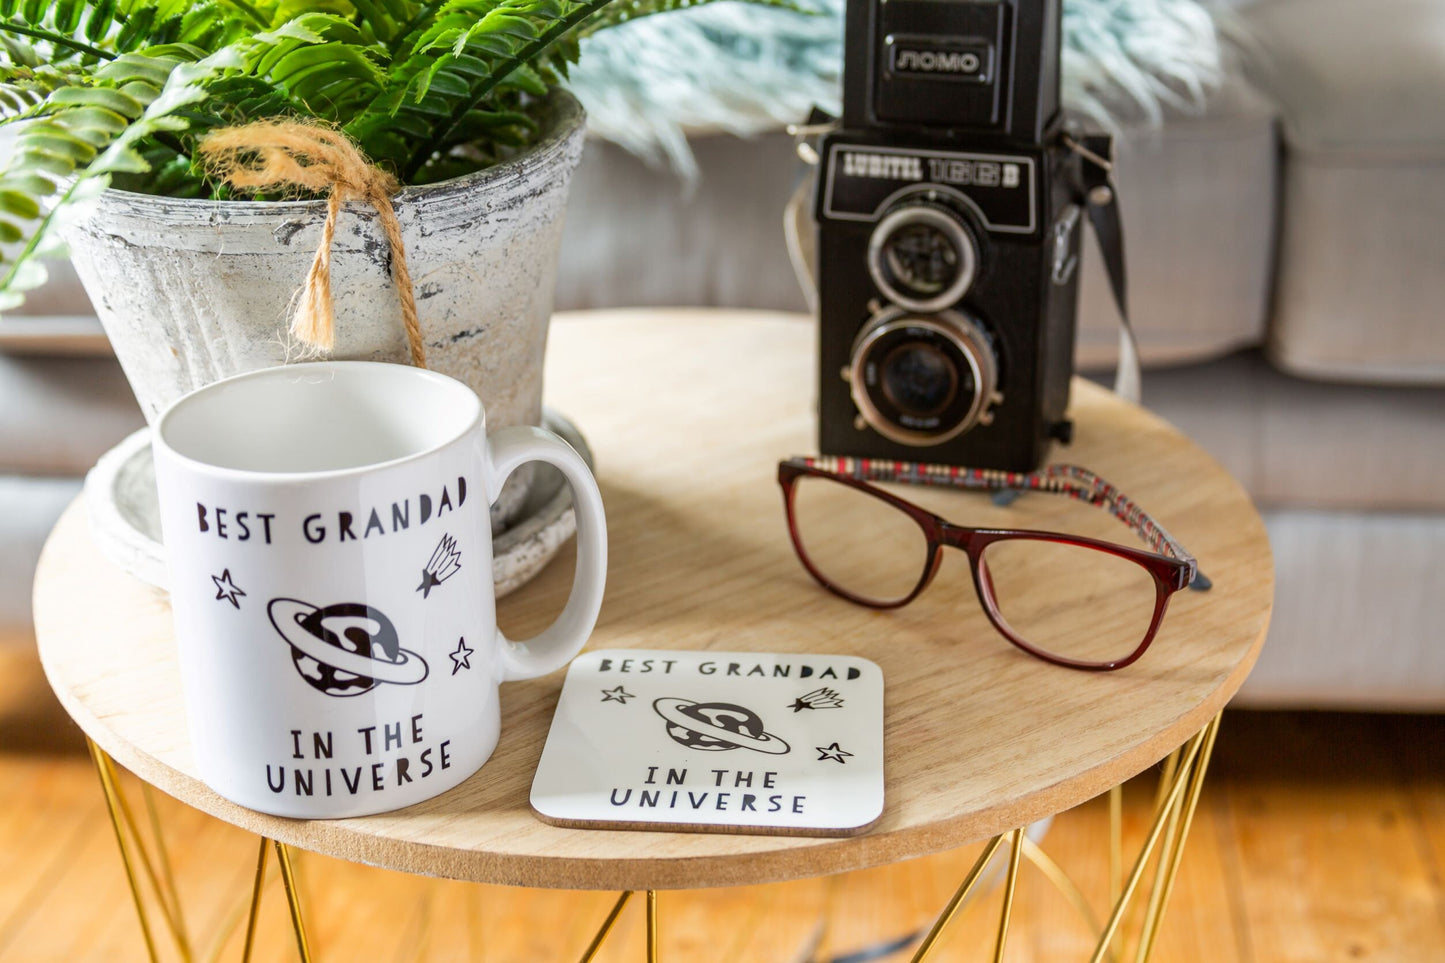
119, 92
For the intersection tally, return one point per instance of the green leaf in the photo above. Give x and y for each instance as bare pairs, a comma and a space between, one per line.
42, 160
132, 67
89, 121
32, 184
529, 80
20, 205
182, 52
108, 98
33, 11
442, 81
102, 16
60, 142
135, 28
26, 276
67, 15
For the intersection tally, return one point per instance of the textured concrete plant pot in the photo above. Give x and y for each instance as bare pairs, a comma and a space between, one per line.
192, 291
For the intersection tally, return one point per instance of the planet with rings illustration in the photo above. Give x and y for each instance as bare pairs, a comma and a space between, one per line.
716, 726
344, 649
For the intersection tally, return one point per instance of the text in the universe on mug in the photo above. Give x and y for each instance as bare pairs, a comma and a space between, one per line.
401, 749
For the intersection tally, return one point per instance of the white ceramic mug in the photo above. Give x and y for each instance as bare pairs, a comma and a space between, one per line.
326, 527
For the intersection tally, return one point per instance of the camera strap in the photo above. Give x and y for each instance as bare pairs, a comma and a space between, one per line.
1101, 200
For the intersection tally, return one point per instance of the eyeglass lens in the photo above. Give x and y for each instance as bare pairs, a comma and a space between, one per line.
859, 543
1071, 601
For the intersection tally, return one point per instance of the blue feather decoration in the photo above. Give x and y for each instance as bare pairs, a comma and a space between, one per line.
745, 69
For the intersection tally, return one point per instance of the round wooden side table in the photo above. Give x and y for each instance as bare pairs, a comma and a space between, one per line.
688, 412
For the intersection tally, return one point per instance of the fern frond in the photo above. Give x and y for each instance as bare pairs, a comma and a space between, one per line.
55, 39
94, 132
24, 90
548, 21
320, 61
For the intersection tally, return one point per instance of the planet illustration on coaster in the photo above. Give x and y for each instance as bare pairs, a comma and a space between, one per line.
344, 649
716, 726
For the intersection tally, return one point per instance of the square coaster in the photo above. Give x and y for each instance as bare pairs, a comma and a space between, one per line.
722, 742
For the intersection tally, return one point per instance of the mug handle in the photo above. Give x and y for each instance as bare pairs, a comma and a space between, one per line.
507, 448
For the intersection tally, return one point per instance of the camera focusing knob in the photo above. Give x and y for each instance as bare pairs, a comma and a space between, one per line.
985, 416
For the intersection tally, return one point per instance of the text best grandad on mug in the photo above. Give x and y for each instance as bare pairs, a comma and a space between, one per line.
330, 552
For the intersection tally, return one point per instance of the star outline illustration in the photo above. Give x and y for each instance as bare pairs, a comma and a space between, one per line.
461, 657
227, 589
834, 752
618, 694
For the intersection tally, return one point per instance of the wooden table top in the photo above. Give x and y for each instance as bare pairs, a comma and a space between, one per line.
688, 412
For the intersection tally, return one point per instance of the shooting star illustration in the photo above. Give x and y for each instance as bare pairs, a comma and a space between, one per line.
443, 565
817, 699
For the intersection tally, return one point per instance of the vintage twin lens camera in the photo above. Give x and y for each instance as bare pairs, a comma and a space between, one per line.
948, 211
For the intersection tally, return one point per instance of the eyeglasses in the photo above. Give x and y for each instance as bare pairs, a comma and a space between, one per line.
1070, 600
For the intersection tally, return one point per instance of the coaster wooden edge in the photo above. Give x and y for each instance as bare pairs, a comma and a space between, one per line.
713, 829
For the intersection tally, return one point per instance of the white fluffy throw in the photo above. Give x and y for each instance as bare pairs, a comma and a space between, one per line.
745, 69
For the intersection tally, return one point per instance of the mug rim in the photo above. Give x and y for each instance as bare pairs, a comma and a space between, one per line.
253, 476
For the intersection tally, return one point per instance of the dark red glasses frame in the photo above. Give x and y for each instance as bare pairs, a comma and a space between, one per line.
1171, 567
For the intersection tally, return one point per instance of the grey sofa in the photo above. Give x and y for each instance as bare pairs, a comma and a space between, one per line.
1286, 274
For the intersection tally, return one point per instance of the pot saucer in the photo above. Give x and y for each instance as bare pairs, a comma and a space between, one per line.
124, 511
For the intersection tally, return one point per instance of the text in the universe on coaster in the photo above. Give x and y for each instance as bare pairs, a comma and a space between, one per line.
732, 742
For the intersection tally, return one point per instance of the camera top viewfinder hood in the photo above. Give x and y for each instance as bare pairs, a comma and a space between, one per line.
975, 67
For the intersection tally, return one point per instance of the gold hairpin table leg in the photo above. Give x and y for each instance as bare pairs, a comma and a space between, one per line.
959, 895
606, 927
256, 887
1181, 784
142, 867
652, 926
1016, 842
1169, 864
1175, 812
110, 789
293, 900
611, 921
1116, 842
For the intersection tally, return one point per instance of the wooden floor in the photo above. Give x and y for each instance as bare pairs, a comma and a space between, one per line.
1320, 837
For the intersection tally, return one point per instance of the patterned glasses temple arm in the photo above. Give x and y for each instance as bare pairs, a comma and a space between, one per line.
1078, 483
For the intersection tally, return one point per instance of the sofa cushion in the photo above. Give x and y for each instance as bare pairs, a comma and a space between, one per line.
1353, 77
1298, 443
1358, 603
1198, 198
1359, 283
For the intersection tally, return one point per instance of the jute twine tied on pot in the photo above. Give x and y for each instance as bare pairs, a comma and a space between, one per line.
289, 155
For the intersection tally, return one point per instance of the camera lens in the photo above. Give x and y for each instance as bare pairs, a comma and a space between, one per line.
923, 379
921, 256
920, 259
919, 378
